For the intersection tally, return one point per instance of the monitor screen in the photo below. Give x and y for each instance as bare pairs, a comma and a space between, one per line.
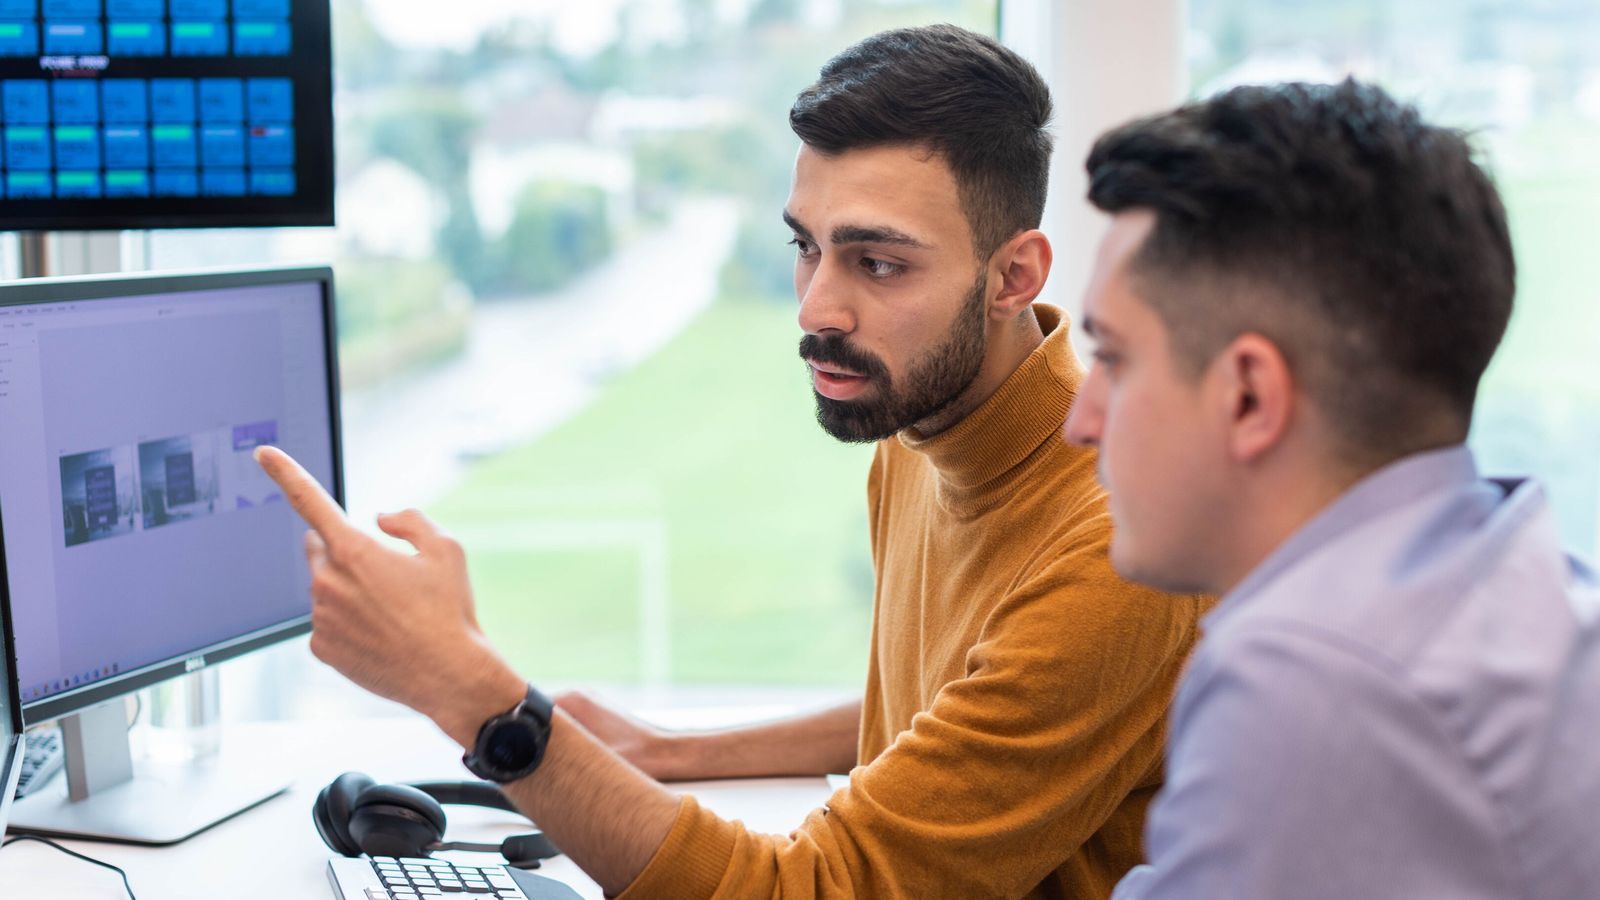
133, 114
140, 538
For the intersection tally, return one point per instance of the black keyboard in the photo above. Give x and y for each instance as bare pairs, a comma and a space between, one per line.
43, 758
389, 878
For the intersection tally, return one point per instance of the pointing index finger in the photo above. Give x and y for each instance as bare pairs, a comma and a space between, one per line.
304, 494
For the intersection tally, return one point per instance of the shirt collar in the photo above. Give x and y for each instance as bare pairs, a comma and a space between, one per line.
1389, 488
1029, 409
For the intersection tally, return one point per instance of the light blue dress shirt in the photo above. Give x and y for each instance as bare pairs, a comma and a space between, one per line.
1402, 701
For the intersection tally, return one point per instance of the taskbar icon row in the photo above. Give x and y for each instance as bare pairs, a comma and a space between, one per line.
56, 686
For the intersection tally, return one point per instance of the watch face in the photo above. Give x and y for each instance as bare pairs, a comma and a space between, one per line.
512, 747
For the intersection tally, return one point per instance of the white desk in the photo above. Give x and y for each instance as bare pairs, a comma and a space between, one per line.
272, 852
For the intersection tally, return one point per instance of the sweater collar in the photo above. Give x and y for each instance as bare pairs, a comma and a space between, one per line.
1029, 408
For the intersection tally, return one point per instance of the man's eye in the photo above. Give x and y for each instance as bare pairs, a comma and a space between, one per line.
802, 246
877, 268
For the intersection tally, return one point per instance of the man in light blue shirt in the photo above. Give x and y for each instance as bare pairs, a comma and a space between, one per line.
1399, 693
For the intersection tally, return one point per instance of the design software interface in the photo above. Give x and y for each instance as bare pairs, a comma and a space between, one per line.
137, 525
107, 102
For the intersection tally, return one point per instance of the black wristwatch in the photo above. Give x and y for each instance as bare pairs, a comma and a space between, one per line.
510, 745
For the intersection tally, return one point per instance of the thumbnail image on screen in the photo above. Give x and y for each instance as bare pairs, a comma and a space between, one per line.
97, 495
165, 113
179, 478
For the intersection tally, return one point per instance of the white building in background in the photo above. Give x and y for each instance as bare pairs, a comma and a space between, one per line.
388, 210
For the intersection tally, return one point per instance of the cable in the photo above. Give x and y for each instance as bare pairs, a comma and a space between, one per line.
88, 859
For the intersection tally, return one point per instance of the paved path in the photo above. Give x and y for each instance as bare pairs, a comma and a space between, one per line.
531, 363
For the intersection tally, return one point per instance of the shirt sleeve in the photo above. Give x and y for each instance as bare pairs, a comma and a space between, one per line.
1012, 768
1304, 767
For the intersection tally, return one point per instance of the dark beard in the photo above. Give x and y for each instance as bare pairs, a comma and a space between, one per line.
934, 382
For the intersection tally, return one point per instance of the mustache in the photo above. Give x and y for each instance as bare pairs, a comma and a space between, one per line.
833, 349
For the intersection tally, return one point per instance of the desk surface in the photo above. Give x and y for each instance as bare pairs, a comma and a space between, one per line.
273, 851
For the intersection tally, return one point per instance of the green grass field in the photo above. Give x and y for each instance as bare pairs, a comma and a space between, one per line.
712, 445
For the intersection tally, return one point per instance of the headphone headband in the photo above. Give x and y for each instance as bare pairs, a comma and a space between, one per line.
467, 793
354, 815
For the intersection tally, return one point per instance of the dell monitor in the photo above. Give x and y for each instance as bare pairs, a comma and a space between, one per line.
135, 114
141, 541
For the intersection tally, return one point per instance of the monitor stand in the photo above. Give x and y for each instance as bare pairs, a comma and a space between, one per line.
107, 797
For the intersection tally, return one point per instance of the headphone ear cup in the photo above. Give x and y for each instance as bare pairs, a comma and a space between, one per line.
331, 812
395, 820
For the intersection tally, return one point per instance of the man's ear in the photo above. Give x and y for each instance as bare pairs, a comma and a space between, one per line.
1020, 267
1255, 391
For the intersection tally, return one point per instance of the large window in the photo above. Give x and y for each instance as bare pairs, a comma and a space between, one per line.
568, 326
1525, 78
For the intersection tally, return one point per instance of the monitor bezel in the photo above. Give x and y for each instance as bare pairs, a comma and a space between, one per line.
12, 746
102, 287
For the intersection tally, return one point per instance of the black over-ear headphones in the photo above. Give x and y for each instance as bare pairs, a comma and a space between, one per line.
356, 815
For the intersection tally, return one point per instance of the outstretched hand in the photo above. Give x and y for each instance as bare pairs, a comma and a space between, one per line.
400, 625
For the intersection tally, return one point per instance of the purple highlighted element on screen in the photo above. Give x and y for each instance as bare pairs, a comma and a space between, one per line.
28, 148
242, 478
18, 38
126, 147
199, 38
199, 9
261, 37
19, 9
172, 146
25, 102
77, 147
27, 186
222, 100
98, 499
177, 183
75, 102
136, 37
271, 101
222, 182
84, 185
171, 100
272, 182
271, 145
70, 38
127, 183
255, 434
222, 145
71, 9
125, 101
135, 9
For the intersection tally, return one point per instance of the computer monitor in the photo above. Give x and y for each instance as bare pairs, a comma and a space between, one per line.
141, 541
134, 114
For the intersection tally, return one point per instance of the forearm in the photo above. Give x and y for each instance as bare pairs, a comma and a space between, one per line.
814, 743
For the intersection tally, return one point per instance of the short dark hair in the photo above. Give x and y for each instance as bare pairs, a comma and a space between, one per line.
979, 106
1330, 218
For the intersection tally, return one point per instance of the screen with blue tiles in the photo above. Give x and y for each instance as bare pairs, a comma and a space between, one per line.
165, 114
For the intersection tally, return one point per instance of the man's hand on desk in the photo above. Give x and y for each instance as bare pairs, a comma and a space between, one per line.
400, 625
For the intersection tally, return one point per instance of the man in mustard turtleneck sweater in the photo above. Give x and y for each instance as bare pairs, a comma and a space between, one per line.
1010, 735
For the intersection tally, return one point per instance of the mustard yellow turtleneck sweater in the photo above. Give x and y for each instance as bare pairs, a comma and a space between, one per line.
1014, 713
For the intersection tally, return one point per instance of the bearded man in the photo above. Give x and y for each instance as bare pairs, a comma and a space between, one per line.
1010, 734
